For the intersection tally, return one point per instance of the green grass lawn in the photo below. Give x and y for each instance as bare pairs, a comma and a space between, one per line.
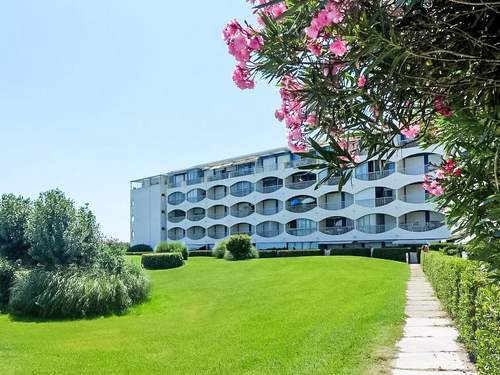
309, 315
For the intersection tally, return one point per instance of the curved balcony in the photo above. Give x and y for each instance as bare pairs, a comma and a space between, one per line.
421, 221
242, 209
375, 202
375, 223
218, 211
419, 164
217, 231
217, 192
176, 234
241, 188
335, 201
374, 170
301, 203
176, 198
300, 180
413, 193
195, 233
176, 216
269, 185
301, 227
196, 214
269, 229
336, 225
269, 207
242, 228
196, 195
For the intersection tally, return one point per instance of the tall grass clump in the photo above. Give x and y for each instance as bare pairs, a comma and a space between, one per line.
219, 249
173, 247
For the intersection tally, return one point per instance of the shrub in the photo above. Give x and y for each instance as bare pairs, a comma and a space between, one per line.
268, 253
472, 300
391, 253
239, 247
14, 212
360, 252
140, 248
172, 247
77, 292
447, 248
200, 253
220, 249
299, 253
162, 261
6, 279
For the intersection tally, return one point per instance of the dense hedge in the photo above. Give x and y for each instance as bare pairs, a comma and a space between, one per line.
141, 248
200, 253
6, 280
447, 248
77, 292
391, 253
473, 301
360, 252
162, 261
173, 247
289, 253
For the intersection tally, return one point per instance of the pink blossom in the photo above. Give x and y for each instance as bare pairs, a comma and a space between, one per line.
338, 47
311, 120
312, 31
441, 107
412, 131
432, 186
361, 81
449, 165
439, 174
457, 172
255, 42
241, 78
279, 114
315, 48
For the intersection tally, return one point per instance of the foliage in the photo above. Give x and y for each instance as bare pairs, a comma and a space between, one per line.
248, 307
162, 261
60, 234
289, 253
377, 70
391, 253
117, 244
472, 301
6, 279
200, 253
360, 252
140, 248
239, 247
14, 212
77, 292
219, 249
172, 247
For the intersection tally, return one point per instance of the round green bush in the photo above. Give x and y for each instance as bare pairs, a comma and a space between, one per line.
239, 247
140, 248
220, 249
77, 292
173, 247
162, 261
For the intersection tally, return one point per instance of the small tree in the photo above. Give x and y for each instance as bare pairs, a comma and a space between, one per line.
14, 212
220, 249
239, 246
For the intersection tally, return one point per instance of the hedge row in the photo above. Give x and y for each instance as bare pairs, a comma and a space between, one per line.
392, 253
162, 261
360, 252
447, 248
200, 253
473, 301
140, 248
289, 253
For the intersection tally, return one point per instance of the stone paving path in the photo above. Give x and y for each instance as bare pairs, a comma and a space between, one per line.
429, 345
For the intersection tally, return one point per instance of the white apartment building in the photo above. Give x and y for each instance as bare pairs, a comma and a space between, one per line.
280, 206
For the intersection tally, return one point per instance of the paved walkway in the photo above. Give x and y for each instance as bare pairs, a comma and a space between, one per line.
429, 345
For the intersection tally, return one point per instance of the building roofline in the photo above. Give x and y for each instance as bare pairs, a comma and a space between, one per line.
222, 162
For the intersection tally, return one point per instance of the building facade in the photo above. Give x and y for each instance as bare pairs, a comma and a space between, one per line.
281, 206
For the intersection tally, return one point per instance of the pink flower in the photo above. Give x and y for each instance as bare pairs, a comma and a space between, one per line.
311, 120
457, 172
441, 107
255, 42
449, 165
338, 47
315, 48
312, 31
412, 131
279, 114
361, 81
241, 78
439, 174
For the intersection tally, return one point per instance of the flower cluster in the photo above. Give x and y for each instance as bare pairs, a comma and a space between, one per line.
412, 131
441, 107
272, 11
293, 114
241, 43
434, 186
331, 14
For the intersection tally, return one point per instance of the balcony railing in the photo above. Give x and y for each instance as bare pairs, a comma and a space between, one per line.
174, 184
381, 228
217, 235
241, 172
268, 233
300, 162
218, 176
335, 205
269, 188
175, 201
422, 227
371, 176
198, 235
196, 198
193, 181
375, 202
301, 231
335, 231
334, 180
300, 184
421, 198
242, 231
216, 196
217, 215
268, 211
267, 168
300, 207
418, 170
242, 212
195, 217
176, 219
176, 236
241, 192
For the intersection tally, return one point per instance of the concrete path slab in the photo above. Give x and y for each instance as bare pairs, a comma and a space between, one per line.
429, 345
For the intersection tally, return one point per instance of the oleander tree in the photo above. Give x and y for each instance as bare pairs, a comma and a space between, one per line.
356, 75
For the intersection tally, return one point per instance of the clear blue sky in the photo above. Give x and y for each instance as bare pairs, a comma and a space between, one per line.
96, 93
